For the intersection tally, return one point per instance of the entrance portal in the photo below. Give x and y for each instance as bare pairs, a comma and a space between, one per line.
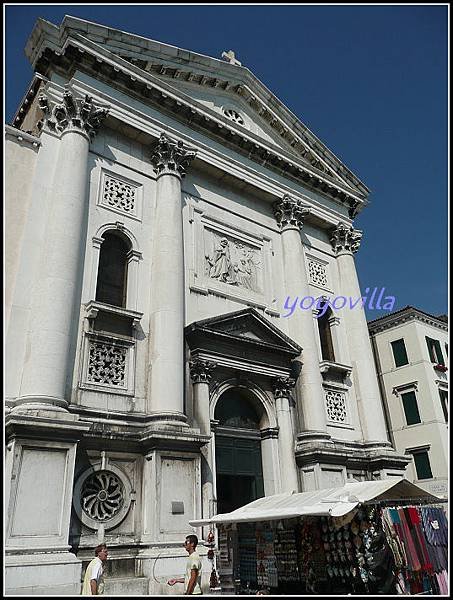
239, 467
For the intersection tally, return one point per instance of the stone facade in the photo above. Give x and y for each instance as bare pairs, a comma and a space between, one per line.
411, 352
161, 206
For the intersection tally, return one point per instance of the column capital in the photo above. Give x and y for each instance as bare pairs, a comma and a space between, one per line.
345, 238
74, 114
282, 386
171, 158
201, 370
289, 212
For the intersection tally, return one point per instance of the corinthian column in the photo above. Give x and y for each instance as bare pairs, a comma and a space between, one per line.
290, 214
55, 305
170, 160
288, 471
345, 241
201, 374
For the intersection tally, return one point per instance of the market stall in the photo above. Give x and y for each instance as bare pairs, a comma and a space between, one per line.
375, 537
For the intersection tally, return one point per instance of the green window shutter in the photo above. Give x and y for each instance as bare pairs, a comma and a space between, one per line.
444, 403
399, 353
438, 351
410, 408
422, 466
430, 344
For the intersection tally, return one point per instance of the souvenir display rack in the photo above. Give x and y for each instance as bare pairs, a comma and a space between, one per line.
383, 547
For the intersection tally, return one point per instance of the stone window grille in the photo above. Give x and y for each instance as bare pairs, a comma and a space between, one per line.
107, 365
233, 115
119, 195
317, 273
336, 406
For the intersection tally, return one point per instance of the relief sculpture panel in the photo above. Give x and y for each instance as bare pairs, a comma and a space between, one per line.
233, 262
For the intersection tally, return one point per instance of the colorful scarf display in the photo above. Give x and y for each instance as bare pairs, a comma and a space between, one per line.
418, 538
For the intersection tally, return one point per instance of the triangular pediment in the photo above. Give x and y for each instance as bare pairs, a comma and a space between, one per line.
225, 92
246, 325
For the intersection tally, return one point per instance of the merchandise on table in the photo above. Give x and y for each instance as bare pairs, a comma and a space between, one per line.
370, 550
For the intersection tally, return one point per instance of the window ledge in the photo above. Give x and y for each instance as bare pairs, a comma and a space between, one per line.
327, 366
441, 368
93, 308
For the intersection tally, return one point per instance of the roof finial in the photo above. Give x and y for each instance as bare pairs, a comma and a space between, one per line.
230, 57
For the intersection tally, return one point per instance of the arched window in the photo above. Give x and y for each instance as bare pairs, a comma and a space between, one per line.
325, 335
112, 272
235, 410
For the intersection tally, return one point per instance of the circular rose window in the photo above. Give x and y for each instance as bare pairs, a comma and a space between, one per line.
102, 496
233, 115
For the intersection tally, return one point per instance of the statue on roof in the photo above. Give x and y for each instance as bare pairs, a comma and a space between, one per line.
230, 57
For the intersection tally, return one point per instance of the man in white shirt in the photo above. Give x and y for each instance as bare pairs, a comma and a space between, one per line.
93, 583
192, 579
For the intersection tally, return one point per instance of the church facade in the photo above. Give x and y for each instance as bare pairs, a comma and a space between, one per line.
173, 234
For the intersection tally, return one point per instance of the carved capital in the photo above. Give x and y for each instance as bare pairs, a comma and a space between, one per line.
201, 370
290, 212
169, 157
345, 239
282, 386
73, 114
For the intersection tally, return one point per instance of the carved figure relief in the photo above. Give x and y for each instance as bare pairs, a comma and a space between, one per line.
233, 262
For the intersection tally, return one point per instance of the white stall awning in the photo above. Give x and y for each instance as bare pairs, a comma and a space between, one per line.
334, 502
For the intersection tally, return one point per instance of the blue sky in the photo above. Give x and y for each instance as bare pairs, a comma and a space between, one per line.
369, 81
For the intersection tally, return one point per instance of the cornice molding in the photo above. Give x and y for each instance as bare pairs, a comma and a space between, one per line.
404, 316
22, 136
176, 63
77, 50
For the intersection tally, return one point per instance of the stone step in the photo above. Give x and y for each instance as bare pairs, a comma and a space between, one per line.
126, 586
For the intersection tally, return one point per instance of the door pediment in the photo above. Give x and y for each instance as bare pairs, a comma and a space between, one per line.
245, 333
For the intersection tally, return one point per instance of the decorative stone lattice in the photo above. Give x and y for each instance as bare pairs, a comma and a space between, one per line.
119, 195
102, 496
107, 364
233, 115
336, 406
317, 273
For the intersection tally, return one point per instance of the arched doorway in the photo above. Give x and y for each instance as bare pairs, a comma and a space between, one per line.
239, 470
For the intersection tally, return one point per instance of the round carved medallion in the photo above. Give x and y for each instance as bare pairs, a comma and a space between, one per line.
102, 495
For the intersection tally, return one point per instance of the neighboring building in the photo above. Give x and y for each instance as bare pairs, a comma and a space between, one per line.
151, 377
411, 353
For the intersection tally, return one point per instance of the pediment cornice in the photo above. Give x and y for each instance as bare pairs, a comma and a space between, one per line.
50, 46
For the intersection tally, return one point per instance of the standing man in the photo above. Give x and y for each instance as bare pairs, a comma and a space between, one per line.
192, 579
93, 583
